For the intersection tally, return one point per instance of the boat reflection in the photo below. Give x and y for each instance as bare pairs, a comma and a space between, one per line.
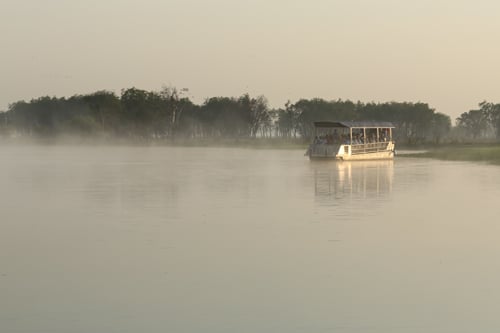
361, 179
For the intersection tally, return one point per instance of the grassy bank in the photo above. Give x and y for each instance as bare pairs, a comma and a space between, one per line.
478, 153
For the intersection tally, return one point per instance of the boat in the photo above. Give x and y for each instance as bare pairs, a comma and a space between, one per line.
352, 140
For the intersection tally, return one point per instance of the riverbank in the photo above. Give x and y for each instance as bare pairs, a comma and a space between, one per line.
489, 153
477, 153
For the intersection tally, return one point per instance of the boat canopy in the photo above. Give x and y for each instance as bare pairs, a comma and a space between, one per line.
353, 124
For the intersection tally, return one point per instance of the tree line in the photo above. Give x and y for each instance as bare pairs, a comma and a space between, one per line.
169, 115
481, 123
137, 114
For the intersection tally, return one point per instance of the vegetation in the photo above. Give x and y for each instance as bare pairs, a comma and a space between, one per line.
478, 153
167, 115
483, 123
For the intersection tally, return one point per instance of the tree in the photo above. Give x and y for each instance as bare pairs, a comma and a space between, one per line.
138, 112
254, 111
4, 123
44, 116
474, 122
287, 119
105, 107
440, 126
223, 117
320, 110
492, 112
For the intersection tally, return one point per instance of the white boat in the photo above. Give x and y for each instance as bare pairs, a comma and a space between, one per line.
352, 140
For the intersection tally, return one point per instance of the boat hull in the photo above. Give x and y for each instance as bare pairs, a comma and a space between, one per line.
368, 151
383, 155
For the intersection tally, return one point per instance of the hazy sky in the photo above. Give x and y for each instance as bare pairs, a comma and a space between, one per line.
442, 52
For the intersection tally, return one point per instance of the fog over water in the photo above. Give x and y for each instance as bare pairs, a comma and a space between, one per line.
164, 239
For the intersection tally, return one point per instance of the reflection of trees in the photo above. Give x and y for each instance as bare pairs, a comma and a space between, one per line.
353, 179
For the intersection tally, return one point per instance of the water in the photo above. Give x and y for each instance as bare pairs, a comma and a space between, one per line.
116, 239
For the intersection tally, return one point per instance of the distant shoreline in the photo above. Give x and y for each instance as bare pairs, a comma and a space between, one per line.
473, 152
489, 153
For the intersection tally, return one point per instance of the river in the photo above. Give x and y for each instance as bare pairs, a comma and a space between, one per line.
226, 240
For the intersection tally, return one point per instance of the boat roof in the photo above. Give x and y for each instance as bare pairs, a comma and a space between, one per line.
354, 124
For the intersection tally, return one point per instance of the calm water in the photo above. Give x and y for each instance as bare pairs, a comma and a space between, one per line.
238, 240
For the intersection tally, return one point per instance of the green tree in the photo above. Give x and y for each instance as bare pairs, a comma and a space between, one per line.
492, 112
321, 110
44, 116
138, 113
287, 120
475, 122
440, 126
225, 117
4, 123
105, 108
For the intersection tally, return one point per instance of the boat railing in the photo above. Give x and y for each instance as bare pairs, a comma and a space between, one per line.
369, 147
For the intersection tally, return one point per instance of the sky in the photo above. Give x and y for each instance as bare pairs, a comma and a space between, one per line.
442, 52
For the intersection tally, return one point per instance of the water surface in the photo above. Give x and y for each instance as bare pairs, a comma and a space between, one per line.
118, 239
